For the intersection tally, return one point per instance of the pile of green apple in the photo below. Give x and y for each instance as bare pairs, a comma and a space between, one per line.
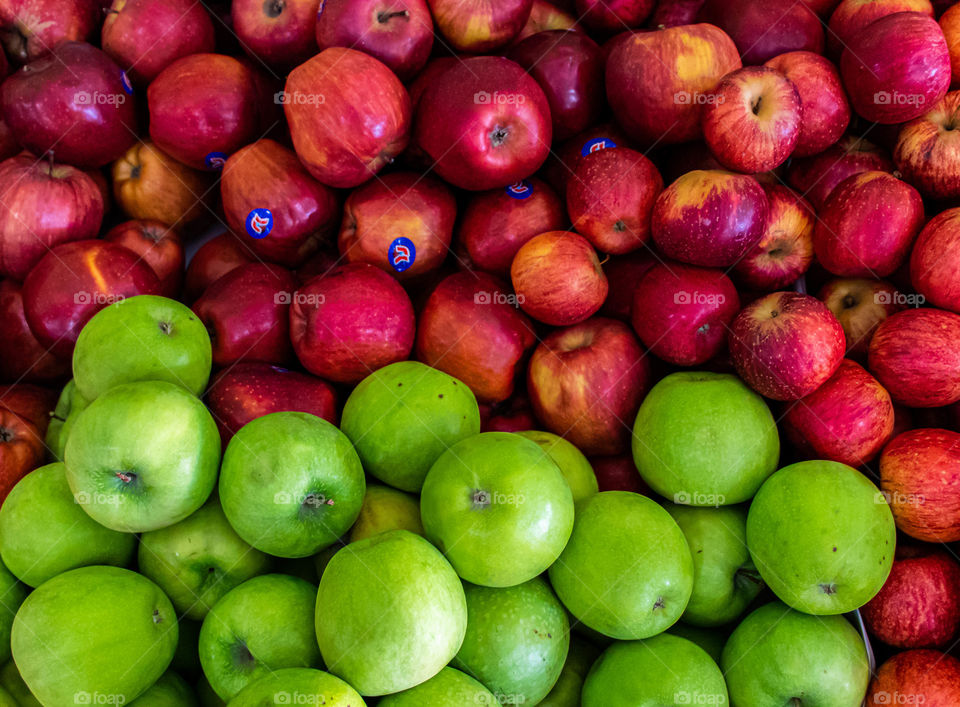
406, 558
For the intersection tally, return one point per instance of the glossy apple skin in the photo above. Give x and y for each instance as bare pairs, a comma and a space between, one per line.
31, 402
935, 261
918, 606
895, 68
785, 250
927, 152
479, 26
469, 331
281, 33
76, 280
753, 122
545, 16
867, 225
950, 26
826, 111
213, 260
252, 389
709, 217
610, 199
914, 355
158, 245
848, 419
397, 32
30, 29
21, 449
565, 156
682, 312
654, 80
613, 15
247, 313
146, 36
267, 175
762, 29
72, 102
851, 16
923, 676
618, 473
402, 204
860, 305
494, 224
786, 345
586, 383
42, 205
22, 357
485, 123
623, 273
201, 105
149, 184
815, 177
362, 123
558, 278
350, 322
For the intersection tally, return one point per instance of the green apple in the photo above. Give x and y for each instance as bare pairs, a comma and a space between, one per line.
405, 415
575, 467
566, 692
261, 626
778, 656
712, 640
822, 537
11, 681
198, 560
44, 530
298, 686
186, 659
724, 578
142, 338
94, 633
6, 699
448, 688
206, 695
517, 640
12, 594
627, 570
390, 613
291, 483
704, 439
69, 406
498, 507
143, 456
385, 508
170, 690
662, 670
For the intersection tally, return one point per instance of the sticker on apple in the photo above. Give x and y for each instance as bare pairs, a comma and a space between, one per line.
125, 82
320, 8
259, 223
215, 160
596, 144
401, 254
520, 190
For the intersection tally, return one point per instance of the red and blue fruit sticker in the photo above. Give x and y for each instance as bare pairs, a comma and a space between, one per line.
215, 160
125, 82
596, 144
520, 190
259, 223
401, 254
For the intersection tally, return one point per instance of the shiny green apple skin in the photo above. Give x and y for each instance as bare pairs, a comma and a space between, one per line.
448, 688
170, 690
298, 686
575, 467
386, 508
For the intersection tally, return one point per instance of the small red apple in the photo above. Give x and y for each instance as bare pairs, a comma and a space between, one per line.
928, 150
762, 29
565, 157
851, 16
158, 245
22, 357
213, 260
917, 677
478, 26
280, 33
619, 473
613, 15
860, 306
623, 273
30, 29
31, 402
21, 449
817, 176
935, 261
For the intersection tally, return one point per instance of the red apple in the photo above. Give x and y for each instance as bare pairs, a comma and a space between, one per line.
586, 383
657, 82
565, 157
618, 473
213, 260
22, 357
350, 322
752, 122
477, 26
950, 25
280, 33
558, 278
673, 13
9, 146
848, 419
851, 16
203, 108
919, 605
349, 116
785, 250
43, 204
821, 7
860, 306
896, 67
786, 345
917, 677
496, 223
471, 329
268, 195
30, 29
397, 32
31, 402
402, 223
545, 16
710, 217
610, 199
825, 112
914, 354
425, 77
76, 280
73, 102
935, 261
623, 273
485, 123
682, 312
251, 389
867, 225
511, 415
21, 449
817, 176
613, 15
146, 36
928, 151
762, 29
158, 245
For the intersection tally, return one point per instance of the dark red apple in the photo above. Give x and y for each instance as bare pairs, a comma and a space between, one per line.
280, 33
43, 204
762, 29
917, 677
478, 26
860, 305
511, 415
9, 146
682, 313
613, 15
817, 176
565, 157
928, 150
74, 102
935, 261
31, 402
545, 16
213, 260
158, 245
586, 383
485, 123
623, 273
821, 7
618, 473
30, 29
851, 16
673, 13
350, 322
786, 345
22, 357
21, 449
320, 264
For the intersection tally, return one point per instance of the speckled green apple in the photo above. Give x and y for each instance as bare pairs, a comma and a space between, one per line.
298, 686
448, 688
575, 467
385, 508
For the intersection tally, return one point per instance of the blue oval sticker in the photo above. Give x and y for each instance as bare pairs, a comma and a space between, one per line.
520, 190
125, 82
259, 223
401, 253
215, 160
596, 144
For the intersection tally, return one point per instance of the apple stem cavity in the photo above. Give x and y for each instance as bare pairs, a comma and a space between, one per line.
273, 8
166, 327
746, 577
498, 136
828, 588
157, 619
480, 499
384, 17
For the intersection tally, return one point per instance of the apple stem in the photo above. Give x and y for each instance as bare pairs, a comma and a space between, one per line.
748, 575
385, 17
50, 162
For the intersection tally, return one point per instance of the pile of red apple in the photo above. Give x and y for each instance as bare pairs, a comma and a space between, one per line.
556, 203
